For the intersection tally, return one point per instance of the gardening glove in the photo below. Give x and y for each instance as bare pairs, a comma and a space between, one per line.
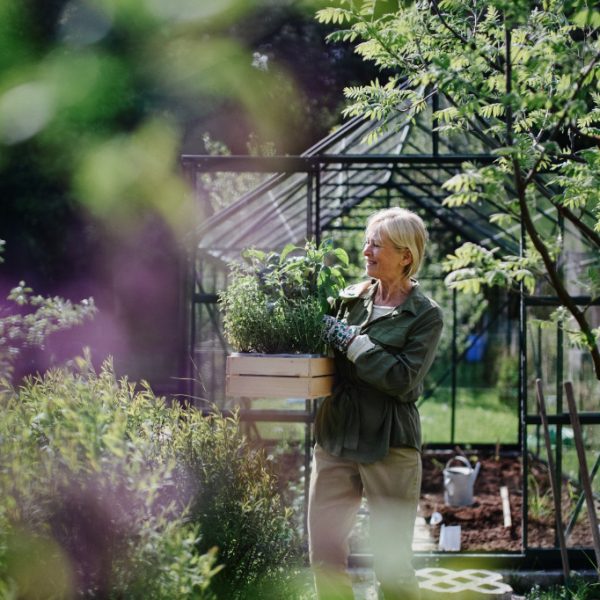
337, 333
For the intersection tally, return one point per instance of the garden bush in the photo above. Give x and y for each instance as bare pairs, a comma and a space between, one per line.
239, 509
88, 503
108, 491
31, 318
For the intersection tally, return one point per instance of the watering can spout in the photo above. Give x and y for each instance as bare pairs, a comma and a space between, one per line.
475, 472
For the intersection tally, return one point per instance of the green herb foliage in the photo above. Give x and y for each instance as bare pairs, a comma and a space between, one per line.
576, 588
107, 491
275, 302
237, 505
88, 500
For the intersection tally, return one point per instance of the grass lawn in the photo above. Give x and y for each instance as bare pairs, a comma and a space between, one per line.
480, 417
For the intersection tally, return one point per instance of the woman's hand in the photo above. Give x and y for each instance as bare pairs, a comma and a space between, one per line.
337, 333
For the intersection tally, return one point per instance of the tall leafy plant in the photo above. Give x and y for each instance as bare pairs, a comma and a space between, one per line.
30, 318
107, 491
237, 505
275, 302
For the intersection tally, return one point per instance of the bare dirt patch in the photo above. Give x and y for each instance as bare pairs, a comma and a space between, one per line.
482, 524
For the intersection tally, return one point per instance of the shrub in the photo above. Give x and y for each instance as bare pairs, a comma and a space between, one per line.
107, 491
275, 302
238, 508
88, 501
32, 319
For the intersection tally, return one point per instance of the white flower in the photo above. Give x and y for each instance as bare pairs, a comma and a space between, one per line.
260, 61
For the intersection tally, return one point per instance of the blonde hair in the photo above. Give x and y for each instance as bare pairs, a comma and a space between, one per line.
404, 229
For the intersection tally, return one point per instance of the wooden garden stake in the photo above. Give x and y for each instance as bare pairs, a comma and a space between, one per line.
553, 483
505, 506
581, 500
585, 478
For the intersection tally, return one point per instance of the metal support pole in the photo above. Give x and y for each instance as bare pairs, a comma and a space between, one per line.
188, 303
309, 200
538, 374
318, 205
435, 135
559, 379
559, 406
454, 365
523, 395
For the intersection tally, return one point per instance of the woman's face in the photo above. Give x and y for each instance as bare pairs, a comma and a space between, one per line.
383, 260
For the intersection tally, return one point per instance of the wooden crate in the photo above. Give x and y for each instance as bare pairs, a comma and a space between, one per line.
279, 376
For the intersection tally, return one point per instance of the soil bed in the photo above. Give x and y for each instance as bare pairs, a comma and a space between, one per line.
482, 524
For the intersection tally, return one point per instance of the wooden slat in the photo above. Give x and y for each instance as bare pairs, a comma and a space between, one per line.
255, 386
279, 365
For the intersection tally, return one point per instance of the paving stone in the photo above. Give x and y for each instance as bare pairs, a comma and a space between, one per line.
423, 540
469, 584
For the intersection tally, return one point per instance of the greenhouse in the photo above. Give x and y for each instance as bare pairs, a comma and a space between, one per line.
480, 397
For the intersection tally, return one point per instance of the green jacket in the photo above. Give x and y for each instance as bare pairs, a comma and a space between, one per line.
373, 405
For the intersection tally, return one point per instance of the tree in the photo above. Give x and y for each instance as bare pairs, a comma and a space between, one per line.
522, 76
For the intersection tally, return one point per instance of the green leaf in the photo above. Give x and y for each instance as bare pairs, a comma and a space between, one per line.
587, 18
286, 250
342, 256
492, 110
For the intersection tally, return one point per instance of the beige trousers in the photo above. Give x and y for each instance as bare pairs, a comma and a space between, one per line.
392, 487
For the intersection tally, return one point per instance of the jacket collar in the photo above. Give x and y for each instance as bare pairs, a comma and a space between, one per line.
409, 305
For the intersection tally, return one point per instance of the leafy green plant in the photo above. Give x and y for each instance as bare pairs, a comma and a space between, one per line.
238, 507
275, 301
108, 491
88, 500
576, 588
540, 503
32, 319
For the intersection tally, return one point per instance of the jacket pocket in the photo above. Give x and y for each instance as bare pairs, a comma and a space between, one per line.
394, 337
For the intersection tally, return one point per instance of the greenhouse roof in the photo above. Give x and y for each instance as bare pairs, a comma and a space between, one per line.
302, 196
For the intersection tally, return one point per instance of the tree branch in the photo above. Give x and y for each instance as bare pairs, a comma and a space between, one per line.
461, 37
449, 27
587, 231
562, 118
557, 284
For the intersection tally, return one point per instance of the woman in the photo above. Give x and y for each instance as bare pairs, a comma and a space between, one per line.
385, 335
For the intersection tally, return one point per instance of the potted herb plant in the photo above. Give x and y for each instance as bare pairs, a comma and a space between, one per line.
272, 312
